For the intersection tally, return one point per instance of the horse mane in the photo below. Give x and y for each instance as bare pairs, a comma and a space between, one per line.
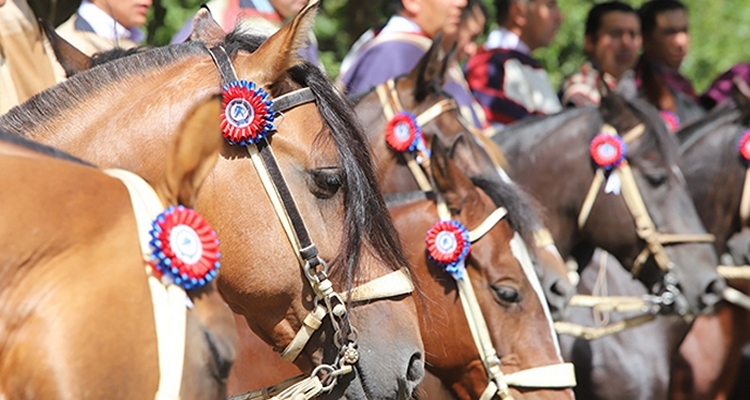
660, 139
37, 147
362, 199
722, 115
519, 132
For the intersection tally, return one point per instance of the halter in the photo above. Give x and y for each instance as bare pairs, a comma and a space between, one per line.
645, 227
550, 376
169, 300
327, 301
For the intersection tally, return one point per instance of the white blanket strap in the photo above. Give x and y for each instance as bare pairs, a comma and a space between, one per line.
168, 300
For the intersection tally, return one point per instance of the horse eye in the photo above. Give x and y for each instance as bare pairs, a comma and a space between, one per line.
657, 177
506, 294
325, 182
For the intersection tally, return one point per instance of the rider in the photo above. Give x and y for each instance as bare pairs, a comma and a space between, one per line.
381, 54
26, 65
101, 25
504, 77
612, 42
258, 16
665, 43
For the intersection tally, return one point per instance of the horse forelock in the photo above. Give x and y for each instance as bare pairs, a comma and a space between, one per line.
522, 209
656, 136
366, 217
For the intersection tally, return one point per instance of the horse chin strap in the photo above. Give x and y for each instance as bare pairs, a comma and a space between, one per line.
549, 376
645, 227
327, 301
169, 300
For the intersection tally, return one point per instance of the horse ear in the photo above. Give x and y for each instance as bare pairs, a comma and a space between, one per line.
193, 153
281, 50
602, 86
429, 73
206, 29
453, 185
72, 60
741, 94
626, 86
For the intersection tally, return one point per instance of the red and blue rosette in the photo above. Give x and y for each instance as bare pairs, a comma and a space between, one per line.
448, 246
403, 133
184, 248
607, 151
744, 146
671, 119
247, 113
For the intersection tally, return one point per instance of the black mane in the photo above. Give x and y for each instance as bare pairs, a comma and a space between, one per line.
21, 141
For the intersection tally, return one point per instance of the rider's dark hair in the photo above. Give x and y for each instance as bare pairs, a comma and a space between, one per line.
597, 12
649, 10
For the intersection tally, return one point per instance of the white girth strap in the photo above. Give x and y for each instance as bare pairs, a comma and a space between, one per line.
169, 300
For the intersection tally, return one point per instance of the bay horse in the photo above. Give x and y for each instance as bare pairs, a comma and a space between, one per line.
712, 158
420, 95
76, 312
275, 270
551, 157
495, 280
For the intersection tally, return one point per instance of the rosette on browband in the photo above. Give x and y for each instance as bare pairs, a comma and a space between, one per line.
247, 113
744, 146
184, 248
671, 119
448, 246
402, 133
607, 151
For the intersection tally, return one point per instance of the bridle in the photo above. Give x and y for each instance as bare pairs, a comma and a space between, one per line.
669, 298
328, 303
550, 376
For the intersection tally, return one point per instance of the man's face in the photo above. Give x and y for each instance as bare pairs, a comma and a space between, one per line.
543, 19
288, 8
128, 13
434, 16
617, 43
468, 32
668, 43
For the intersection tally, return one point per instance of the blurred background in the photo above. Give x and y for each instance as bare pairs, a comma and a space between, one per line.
720, 31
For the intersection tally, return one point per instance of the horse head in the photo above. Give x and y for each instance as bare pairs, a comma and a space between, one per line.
501, 325
276, 267
609, 178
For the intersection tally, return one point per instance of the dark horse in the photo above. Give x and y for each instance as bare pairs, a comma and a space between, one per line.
83, 316
317, 146
715, 166
551, 157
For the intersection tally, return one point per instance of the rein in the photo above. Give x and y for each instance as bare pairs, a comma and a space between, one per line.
169, 300
327, 301
645, 227
549, 376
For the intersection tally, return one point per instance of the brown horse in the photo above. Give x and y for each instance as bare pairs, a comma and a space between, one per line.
505, 289
708, 363
316, 142
77, 314
420, 94
551, 157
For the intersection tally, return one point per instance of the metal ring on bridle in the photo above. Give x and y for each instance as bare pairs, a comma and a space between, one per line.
313, 275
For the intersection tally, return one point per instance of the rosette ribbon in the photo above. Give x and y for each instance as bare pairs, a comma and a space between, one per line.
247, 113
184, 248
671, 119
607, 151
744, 146
448, 246
402, 133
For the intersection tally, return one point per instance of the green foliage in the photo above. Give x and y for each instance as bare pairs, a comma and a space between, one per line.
717, 28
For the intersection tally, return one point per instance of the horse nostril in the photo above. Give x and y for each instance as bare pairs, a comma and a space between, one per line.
415, 371
714, 292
